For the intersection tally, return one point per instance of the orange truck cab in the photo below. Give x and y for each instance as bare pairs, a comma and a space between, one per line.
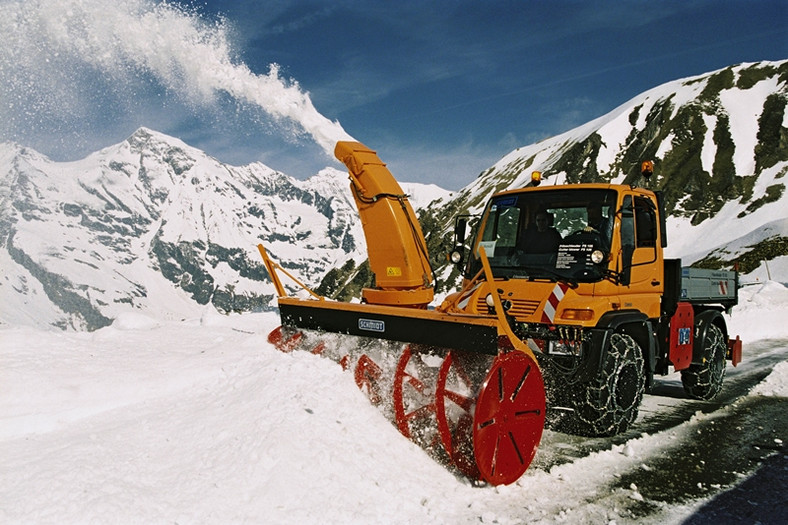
579, 269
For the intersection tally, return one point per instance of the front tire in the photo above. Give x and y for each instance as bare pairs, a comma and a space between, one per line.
704, 381
608, 404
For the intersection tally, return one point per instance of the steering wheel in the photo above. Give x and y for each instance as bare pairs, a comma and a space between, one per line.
585, 231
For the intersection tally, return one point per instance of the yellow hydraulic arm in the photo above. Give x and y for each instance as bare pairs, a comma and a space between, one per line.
395, 243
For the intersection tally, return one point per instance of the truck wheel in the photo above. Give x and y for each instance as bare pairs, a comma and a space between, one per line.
608, 404
704, 381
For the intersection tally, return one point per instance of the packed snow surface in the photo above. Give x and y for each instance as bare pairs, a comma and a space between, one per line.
204, 421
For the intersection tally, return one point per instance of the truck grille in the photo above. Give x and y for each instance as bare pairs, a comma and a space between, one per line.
520, 307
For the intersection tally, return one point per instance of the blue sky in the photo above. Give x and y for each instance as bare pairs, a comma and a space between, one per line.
443, 89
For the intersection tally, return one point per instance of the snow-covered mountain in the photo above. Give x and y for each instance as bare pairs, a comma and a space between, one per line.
719, 142
156, 225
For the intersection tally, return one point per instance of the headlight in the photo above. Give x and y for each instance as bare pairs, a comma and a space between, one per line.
597, 256
456, 257
489, 300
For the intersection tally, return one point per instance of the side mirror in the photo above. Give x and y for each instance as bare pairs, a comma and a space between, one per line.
460, 227
457, 255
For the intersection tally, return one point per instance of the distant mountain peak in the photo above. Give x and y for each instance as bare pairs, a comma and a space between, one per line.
153, 224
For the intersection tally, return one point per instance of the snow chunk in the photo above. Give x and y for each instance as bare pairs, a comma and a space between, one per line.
134, 321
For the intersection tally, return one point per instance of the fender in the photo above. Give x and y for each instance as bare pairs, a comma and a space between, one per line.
631, 322
703, 319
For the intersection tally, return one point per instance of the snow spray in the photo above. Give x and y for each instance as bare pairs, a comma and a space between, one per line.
48, 46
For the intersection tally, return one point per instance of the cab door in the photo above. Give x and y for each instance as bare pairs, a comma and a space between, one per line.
641, 246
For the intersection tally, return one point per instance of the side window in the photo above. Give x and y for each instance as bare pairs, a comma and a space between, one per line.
645, 223
627, 224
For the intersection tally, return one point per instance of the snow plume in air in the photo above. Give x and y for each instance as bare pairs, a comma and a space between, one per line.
60, 60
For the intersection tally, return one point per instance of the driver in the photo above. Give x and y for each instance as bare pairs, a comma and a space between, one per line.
542, 239
599, 223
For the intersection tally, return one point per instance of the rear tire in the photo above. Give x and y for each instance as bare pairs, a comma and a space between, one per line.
704, 381
608, 404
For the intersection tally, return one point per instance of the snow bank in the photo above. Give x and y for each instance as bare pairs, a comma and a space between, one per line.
199, 422
761, 313
776, 384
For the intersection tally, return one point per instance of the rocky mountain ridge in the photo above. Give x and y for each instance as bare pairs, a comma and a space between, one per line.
719, 142
156, 225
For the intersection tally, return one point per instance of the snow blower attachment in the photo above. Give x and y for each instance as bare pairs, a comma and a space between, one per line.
461, 385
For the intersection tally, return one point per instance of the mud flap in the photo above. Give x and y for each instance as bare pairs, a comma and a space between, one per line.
734, 351
681, 336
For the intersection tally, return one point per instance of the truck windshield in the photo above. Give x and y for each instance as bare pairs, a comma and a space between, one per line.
547, 234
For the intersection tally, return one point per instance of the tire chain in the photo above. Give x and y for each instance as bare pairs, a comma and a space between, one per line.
605, 409
704, 381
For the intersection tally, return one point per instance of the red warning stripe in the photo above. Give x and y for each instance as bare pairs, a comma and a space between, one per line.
551, 305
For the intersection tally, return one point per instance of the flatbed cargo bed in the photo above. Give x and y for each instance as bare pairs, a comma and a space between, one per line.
700, 285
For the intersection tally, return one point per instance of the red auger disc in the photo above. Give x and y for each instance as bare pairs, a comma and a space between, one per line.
455, 400
413, 398
288, 339
368, 375
509, 418
285, 340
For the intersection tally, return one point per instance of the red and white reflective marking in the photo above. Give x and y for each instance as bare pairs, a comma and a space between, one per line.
724, 288
551, 305
463, 302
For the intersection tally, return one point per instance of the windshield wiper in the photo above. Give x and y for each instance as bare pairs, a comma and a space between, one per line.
533, 272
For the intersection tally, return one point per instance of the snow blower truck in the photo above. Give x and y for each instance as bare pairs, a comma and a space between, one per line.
567, 310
